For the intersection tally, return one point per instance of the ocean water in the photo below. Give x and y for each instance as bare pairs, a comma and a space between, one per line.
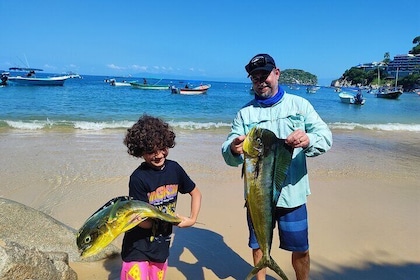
91, 104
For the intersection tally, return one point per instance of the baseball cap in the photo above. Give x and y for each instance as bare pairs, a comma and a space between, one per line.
260, 62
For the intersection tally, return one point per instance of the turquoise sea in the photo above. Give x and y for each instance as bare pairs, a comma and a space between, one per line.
91, 104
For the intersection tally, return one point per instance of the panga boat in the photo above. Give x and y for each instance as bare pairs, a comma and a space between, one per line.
202, 89
147, 86
114, 83
351, 99
191, 91
30, 78
206, 87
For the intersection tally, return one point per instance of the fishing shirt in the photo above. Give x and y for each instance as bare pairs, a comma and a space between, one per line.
292, 112
159, 188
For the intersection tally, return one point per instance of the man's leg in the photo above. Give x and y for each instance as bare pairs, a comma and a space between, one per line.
301, 264
257, 255
293, 231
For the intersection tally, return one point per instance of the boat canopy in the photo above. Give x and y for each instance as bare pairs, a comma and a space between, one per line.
24, 69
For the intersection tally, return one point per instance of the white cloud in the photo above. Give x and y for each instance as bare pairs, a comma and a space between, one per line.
113, 66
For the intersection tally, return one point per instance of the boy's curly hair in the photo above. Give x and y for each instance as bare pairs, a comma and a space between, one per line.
148, 134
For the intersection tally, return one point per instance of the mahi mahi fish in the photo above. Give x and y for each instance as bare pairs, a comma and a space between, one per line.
266, 161
117, 216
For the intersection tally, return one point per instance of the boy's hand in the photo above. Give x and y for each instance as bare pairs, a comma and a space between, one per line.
185, 221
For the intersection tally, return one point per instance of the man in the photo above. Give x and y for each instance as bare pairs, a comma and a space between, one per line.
292, 118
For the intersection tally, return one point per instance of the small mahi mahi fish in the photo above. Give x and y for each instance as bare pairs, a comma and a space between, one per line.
266, 161
117, 216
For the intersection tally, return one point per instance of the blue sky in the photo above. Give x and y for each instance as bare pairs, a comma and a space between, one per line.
208, 40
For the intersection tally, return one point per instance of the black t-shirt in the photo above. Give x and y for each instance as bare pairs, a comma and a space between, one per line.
159, 188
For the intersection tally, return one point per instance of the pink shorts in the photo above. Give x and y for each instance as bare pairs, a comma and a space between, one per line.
143, 270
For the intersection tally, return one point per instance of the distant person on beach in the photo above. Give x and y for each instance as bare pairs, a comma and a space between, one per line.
145, 248
294, 119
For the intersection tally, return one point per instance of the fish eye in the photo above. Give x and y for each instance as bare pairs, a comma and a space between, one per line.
88, 239
259, 141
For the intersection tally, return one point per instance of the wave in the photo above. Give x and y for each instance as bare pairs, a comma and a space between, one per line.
96, 126
379, 127
183, 125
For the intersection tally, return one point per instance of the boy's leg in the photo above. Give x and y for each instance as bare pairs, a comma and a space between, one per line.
157, 271
134, 271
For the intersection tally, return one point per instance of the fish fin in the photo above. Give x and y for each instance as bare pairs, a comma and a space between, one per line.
271, 264
111, 202
113, 212
255, 270
133, 222
283, 159
276, 268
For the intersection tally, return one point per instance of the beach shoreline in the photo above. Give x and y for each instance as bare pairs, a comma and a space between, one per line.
363, 210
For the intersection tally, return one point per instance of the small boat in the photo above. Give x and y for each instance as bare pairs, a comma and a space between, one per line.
191, 91
389, 92
30, 78
114, 83
312, 89
202, 87
188, 91
351, 99
147, 86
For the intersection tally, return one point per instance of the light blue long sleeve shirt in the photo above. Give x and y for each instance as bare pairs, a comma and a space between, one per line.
290, 113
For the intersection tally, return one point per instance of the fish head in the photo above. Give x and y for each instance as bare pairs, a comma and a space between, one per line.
93, 236
101, 228
257, 141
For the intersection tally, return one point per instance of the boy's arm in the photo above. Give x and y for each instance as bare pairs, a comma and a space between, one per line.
195, 209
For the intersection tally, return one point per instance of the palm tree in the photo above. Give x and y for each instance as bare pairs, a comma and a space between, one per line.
387, 58
416, 49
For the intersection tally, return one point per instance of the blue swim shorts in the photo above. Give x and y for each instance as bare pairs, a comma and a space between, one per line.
293, 229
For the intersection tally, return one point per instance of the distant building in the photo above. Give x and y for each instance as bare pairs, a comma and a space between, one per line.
405, 64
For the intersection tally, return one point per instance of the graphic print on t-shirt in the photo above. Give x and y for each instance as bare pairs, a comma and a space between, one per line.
164, 198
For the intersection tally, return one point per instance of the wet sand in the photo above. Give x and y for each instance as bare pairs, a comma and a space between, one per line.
363, 211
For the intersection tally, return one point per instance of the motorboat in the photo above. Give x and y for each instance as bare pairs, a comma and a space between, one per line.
30, 78
351, 99
114, 83
202, 89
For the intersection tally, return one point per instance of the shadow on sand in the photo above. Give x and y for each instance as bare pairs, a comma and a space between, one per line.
210, 252
207, 250
383, 271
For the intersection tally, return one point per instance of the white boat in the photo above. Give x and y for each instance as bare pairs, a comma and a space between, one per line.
351, 99
188, 91
312, 89
114, 83
203, 87
30, 78
191, 91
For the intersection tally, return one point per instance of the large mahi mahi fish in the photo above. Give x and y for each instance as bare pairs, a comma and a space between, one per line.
266, 161
117, 216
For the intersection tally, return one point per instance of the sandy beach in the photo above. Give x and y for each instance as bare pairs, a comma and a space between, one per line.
363, 211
